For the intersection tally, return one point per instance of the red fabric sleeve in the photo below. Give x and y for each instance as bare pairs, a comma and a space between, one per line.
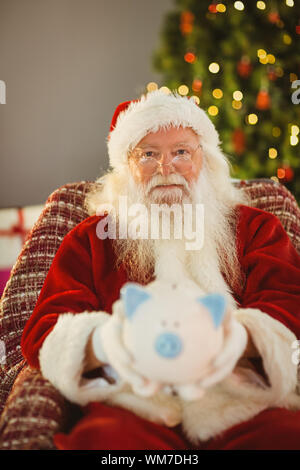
68, 287
272, 267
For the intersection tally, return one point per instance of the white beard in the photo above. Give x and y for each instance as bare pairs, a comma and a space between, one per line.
169, 259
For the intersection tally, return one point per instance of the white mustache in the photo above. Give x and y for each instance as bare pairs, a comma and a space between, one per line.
159, 180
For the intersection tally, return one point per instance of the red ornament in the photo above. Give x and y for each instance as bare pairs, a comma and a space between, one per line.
239, 141
263, 100
190, 57
285, 174
298, 29
289, 174
187, 17
272, 73
186, 22
244, 67
213, 8
274, 17
197, 85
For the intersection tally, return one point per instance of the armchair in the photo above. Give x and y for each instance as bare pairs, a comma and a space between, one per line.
31, 409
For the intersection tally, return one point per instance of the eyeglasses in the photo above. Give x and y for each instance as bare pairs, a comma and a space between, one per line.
150, 160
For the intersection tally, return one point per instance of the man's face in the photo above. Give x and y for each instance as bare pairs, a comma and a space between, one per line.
168, 183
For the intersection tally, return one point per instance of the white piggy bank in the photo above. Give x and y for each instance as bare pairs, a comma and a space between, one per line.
173, 334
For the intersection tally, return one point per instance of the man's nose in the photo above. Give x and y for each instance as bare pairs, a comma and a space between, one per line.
165, 166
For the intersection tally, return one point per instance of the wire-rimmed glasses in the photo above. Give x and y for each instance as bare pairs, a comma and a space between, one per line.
149, 160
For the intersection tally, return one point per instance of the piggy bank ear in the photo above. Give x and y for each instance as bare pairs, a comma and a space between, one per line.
133, 295
216, 305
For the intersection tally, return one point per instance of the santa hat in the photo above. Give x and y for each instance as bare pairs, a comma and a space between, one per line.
133, 120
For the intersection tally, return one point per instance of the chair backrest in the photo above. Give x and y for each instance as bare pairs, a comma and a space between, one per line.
64, 210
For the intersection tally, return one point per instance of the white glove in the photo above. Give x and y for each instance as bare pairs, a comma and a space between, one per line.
108, 371
109, 348
236, 338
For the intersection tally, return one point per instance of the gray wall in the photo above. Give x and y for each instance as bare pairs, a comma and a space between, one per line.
67, 64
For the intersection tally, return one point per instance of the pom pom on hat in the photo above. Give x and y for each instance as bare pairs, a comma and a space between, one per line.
157, 110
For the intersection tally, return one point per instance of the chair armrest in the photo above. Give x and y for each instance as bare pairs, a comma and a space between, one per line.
33, 413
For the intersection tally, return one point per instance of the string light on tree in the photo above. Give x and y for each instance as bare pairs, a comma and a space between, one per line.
196, 99
252, 119
271, 59
261, 62
213, 110
214, 67
166, 90
217, 93
262, 56
287, 39
265, 58
183, 90
261, 5
239, 6
152, 86
237, 95
273, 153
294, 140
221, 8
274, 178
236, 104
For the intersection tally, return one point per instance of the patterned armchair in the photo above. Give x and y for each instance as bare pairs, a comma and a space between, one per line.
31, 409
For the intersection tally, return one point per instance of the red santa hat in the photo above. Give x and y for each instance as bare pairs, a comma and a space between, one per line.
133, 120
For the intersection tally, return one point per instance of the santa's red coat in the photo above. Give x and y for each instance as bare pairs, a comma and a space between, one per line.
83, 277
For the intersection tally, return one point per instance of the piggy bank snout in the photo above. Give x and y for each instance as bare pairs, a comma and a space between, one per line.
168, 345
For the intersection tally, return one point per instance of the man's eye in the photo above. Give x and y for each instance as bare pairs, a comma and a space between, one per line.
150, 154
182, 152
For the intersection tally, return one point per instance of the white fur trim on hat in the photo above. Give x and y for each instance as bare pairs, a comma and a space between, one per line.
152, 112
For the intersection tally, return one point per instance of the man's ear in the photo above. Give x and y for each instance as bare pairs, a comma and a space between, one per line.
216, 305
133, 295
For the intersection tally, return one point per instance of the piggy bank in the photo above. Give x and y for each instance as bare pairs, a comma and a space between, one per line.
172, 333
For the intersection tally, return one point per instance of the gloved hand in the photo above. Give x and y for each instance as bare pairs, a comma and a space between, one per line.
109, 348
236, 338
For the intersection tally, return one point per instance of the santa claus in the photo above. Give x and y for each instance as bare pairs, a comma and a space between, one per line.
165, 151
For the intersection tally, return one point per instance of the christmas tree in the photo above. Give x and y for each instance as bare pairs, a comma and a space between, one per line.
241, 62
